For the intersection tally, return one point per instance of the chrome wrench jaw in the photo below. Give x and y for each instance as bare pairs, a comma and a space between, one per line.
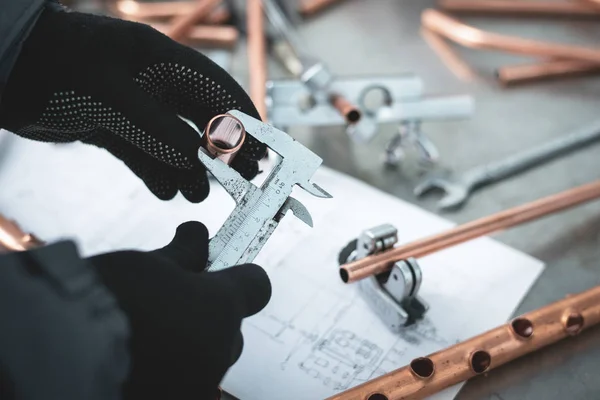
455, 193
259, 210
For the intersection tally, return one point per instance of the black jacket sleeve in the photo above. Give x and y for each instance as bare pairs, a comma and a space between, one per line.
17, 17
63, 335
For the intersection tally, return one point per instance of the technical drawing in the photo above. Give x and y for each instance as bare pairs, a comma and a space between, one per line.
340, 358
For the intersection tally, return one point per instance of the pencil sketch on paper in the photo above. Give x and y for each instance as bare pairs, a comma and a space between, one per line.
340, 358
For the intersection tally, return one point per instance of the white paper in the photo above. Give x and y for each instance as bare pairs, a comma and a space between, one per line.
317, 336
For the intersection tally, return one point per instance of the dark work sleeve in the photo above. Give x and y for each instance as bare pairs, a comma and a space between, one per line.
17, 17
63, 335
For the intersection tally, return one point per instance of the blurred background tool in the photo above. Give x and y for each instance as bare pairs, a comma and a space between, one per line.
556, 59
13, 238
317, 97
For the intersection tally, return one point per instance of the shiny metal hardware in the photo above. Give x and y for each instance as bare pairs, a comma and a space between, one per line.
393, 295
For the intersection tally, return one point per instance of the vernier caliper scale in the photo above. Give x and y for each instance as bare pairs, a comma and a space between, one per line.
258, 210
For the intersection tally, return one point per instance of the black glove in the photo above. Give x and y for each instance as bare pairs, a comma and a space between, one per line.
185, 323
119, 85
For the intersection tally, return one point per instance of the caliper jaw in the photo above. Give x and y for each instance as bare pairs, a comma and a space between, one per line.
392, 295
258, 211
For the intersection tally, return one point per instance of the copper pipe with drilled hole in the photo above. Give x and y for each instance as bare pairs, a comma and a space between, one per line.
349, 111
468, 36
221, 36
311, 7
146, 11
383, 262
182, 25
520, 8
516, 74
13, 238
525, 334
257, 56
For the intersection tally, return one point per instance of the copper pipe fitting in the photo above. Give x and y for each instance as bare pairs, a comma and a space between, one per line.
147, 11
311, 7
182, 25
349, 111
532, 331
382, 262
448, 55
512, 75
475, 38
223, 137
13, 238
521, 8
206, 35
257, 56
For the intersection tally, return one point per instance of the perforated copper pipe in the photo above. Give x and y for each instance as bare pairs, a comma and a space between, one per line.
182, 25
310, 7
521, 8
257, 56
13, 238
222, 36
512, 75
146, 11
532, 331
468, 36
382, 262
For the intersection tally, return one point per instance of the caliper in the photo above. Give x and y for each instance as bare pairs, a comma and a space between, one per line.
258, 210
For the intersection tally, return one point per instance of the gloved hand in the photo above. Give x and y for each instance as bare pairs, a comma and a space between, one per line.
119, 85
185, 322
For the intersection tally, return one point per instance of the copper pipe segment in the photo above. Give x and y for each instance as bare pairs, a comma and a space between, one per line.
382, 262
475, 38
12, 237
349, 111
145, 11
520, 8
516, 74
532, 331
257, 56
181, 25
222, 36
311, 7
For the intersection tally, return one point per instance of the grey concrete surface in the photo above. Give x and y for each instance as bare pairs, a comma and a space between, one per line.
382, 37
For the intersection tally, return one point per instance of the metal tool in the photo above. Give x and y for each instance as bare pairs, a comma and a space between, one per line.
425, 376
258, 210
394, 294
382, 262
458, 190
319, 98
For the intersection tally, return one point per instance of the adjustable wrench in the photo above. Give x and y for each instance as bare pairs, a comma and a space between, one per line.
458, 190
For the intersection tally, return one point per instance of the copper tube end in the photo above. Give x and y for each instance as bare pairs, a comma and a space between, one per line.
517, 74
310, 7
349, 111
13, 238
223, 137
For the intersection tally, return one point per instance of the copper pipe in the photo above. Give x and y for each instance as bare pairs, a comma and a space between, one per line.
511, 75
532, 331
206, 35
349, 111
13, 238
223, 137
310, 7
478, 39
520, 8
382, 262
184, 23
257, 56
146, 11
448, 55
